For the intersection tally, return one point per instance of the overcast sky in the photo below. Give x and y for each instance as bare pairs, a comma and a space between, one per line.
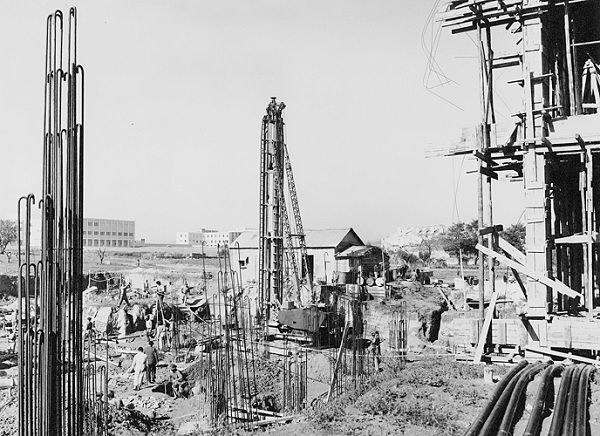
175, 94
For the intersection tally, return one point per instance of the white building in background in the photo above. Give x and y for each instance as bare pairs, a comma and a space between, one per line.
210, 238
100, 232
97, 232
189, 238
214, 238
410, 238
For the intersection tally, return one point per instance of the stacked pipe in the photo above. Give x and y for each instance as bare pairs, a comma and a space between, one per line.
50, 341
570, 415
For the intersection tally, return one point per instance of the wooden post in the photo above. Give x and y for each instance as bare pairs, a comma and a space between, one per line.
481, 145
569, 60
486, 327
337, 362
589, 208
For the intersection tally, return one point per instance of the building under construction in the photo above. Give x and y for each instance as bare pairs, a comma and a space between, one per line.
554, 150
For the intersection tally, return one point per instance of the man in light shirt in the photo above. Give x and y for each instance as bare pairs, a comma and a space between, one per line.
138, 367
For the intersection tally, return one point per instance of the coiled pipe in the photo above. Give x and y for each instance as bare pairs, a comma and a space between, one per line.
569, 423
523, 381
473, 430
560, 404
581, 421
544, 391
490, 425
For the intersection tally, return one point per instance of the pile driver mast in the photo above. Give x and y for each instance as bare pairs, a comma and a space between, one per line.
280, 235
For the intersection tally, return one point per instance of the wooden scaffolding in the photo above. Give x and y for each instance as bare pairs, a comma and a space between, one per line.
554, 149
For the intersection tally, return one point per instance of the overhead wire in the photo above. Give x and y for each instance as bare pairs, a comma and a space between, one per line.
433, 67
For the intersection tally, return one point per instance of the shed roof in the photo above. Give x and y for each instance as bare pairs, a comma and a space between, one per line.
356, 251
321, 238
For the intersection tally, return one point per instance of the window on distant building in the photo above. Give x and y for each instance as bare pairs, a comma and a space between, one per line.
101, 233
95, 224
96, 233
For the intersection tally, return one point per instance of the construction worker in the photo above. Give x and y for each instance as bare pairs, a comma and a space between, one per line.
160, 296
138, 367
161, 336
178, 383
376, 346
151, 361
185, 293
123, 297
149, 327
89, 329
173, 334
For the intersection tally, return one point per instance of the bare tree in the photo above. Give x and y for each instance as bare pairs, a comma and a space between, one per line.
101, 252
8, 234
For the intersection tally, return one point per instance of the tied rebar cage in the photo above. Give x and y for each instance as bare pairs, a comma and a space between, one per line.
51, 385
228, 350
295, 375
356, 360
398, 326
95, 388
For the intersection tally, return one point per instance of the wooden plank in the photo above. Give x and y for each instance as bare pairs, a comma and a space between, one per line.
101, 359
485, 327
570, 356
491, 229
450, 303
484, 157
512, 251
488, 172
557, 285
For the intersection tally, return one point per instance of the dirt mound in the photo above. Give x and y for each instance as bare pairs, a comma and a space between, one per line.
8, 286
131, 422
8, 413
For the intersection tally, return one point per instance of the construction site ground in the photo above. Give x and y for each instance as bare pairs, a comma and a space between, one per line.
433, 394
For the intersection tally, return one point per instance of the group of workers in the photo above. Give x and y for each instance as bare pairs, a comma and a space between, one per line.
144, 363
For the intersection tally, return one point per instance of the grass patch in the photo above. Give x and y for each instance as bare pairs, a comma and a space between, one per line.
428, 394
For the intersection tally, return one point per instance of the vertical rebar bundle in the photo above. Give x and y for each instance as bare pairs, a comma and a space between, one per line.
227, 363
295, 375
95, 387
51, 385
353, 363
398, 326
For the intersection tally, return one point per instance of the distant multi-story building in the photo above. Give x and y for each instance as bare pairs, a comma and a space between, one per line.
210, 238
214, 238
189, 238
99, 232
